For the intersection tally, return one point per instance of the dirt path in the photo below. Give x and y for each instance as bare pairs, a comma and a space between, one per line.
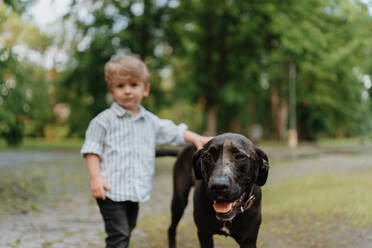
72, 220
73, 223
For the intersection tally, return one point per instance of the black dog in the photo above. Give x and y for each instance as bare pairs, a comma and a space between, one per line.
229, 171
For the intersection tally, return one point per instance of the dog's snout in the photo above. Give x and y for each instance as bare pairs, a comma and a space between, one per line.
220, 185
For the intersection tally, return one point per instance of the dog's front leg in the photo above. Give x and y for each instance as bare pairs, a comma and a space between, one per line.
248, 246
205, 239
248, 243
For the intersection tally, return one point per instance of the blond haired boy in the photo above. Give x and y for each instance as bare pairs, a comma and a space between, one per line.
119, 148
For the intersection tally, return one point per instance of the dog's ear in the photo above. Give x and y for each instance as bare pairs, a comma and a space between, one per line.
263, 162
196, 164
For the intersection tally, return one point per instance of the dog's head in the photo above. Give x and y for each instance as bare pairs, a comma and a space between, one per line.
230, 165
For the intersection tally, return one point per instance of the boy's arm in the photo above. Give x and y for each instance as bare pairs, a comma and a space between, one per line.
198, 140
97, 182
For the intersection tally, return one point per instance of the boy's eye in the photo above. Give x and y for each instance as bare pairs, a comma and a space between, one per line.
120, 85
134, 84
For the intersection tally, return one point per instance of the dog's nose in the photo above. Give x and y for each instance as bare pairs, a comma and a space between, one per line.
220, 185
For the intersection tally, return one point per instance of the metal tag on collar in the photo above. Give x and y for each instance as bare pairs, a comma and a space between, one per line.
252, 198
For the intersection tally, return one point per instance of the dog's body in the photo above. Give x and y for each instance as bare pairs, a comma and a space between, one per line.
227, 174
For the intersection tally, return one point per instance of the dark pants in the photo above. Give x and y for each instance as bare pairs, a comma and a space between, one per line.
120, 218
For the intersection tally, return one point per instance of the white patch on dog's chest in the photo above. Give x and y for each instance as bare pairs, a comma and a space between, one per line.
225, 229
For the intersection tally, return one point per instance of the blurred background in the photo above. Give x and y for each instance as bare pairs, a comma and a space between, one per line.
284, 73
267, 69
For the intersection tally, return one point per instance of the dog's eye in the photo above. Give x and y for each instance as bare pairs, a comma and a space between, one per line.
207, 158
239, 156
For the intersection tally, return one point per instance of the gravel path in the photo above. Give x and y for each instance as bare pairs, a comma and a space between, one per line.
74, 224
74, 221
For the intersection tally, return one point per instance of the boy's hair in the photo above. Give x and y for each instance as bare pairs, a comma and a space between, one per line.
126, 68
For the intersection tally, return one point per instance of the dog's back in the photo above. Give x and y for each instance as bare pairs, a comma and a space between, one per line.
183, 180
183, 175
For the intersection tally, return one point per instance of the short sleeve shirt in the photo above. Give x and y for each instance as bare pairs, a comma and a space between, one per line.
126, 147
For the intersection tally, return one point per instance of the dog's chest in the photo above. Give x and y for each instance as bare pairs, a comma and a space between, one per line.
225, 229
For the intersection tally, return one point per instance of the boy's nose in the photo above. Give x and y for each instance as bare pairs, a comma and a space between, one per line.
127, 90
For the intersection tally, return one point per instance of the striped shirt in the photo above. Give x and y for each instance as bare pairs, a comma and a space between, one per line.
126, 147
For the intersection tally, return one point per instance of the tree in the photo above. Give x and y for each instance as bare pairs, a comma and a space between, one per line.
218, 53
15, 75
111, 28
325, 45
231, 61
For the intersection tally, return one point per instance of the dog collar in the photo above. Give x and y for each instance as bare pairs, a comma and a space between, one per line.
248, 204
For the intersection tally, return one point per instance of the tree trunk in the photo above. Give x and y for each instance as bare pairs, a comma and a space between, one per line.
279, 112
144, 31
218, 75
211, 109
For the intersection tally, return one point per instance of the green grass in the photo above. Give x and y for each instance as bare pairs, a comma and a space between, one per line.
323, 142
43, 144
339, 142
76, 143
318, 211
339, 194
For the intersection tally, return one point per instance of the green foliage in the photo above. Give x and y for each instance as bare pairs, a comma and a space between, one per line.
326, 45
13, 133
22, 84
218, 55
112, 28
40, 103
227, 65
12, 111
24, 99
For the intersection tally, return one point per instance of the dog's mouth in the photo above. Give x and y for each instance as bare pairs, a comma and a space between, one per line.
224, 207
225, 210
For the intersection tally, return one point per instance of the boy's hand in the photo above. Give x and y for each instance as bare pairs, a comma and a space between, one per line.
198, 140
97, 187
98, 184
201, 141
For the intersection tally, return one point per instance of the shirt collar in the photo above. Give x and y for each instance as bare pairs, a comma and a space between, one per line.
121, 112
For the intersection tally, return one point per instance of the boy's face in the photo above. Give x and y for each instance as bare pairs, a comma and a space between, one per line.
129, 93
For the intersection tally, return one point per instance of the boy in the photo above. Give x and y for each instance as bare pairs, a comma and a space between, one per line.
119, 148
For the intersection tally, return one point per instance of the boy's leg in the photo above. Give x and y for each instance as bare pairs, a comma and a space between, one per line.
120, 219
132, 208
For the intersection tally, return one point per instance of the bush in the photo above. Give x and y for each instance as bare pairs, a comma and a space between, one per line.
13, 134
